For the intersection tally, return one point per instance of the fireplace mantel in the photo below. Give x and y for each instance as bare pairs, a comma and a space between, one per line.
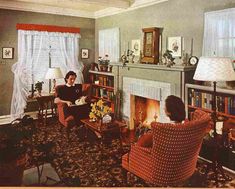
176, 75
155, 67
174, 78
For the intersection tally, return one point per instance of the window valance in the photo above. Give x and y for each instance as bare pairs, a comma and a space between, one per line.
48, 28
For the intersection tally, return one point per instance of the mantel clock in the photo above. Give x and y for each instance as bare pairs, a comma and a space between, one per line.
151, 45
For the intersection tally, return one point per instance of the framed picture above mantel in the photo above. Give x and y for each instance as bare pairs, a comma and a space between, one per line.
175, 45
151, 45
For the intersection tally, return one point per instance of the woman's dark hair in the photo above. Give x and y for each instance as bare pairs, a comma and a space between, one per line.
69, 74
176, 108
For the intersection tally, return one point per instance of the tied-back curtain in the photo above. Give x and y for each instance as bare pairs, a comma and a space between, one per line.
219, 33
109, 44
36, 50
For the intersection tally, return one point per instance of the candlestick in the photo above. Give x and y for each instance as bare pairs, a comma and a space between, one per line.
191, 53
183, 43
166, 44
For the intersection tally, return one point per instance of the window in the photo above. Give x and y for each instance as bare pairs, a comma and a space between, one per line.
219, 33
37, 51
109, 44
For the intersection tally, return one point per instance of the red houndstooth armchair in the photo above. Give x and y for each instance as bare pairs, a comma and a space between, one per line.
173, 156
69, 120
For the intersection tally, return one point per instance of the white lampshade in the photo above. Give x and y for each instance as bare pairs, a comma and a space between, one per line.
214, 69
54, 73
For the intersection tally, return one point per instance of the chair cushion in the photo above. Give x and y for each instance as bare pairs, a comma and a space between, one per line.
146, 140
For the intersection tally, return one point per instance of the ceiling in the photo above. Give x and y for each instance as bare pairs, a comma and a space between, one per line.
79, 8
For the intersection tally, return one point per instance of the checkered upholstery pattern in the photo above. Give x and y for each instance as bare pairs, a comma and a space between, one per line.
173, 156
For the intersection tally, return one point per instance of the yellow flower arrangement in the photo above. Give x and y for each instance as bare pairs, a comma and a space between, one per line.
99, 110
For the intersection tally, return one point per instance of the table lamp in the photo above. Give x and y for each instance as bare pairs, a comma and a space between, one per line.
215, 69
53, 73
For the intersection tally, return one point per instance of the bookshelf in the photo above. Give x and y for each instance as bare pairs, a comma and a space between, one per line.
200, 97
102, 86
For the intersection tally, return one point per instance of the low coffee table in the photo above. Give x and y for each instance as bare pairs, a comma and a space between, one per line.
109, 128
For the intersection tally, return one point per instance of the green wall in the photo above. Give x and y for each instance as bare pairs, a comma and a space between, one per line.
8, 38
177, 18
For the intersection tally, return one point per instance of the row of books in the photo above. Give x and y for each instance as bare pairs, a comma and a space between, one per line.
105, 81
103, 93
225, 104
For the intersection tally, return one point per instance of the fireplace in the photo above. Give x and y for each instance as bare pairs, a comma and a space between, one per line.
147, 95
144, 110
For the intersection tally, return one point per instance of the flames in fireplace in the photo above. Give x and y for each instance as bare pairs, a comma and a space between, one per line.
144, 110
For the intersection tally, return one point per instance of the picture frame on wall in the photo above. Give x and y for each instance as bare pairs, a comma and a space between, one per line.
7, 52
175, 45
135, 47
85, 53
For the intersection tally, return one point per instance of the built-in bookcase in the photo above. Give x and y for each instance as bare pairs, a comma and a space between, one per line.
200, 97
102, 86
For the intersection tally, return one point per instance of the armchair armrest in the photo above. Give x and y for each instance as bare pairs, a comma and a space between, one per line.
140, 161
64, 117
139, 149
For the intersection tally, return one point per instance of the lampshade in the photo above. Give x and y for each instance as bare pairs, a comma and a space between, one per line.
214, 69
53, 73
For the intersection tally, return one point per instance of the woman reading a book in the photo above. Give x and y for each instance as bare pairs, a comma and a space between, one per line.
70, 94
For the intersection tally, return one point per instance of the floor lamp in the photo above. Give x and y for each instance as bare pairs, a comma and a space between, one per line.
53, 73
215, 69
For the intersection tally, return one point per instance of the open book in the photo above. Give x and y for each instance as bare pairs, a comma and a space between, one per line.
81, 101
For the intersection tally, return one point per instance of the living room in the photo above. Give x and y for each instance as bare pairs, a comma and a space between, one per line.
184, 18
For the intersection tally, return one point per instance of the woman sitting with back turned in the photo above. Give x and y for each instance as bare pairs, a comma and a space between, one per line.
175, 110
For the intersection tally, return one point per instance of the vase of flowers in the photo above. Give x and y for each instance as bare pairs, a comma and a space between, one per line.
98, 111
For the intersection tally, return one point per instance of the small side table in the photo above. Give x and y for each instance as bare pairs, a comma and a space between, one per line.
105, 128
46, 103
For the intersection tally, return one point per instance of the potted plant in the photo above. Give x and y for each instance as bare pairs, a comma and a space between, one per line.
169, 60
103, 63
15, 140
38, 87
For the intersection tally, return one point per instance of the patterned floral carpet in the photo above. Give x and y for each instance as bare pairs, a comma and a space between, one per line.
79, 161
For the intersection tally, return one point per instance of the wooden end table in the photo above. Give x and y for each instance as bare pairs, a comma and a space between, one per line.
103, 129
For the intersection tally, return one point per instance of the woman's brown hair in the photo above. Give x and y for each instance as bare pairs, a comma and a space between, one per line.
176, 108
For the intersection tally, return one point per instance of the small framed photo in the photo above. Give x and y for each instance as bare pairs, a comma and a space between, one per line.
7, 53
85, 53
135, 47
175, 45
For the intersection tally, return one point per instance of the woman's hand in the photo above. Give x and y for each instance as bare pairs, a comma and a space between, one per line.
69, 103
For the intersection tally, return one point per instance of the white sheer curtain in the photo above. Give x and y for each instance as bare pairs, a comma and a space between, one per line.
33, 62
109, 44
219, 33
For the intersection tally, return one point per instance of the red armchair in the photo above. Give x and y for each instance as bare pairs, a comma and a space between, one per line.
173, 156
68, 120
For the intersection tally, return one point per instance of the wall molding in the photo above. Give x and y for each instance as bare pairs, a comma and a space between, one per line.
138, 4
31, 7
